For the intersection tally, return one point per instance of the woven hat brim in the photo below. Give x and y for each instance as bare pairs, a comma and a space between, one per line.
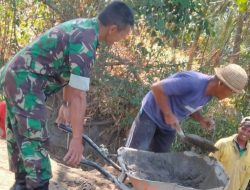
218, 74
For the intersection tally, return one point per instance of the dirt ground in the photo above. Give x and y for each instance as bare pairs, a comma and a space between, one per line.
64, 178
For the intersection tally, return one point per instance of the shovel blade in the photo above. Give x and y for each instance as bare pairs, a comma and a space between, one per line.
200, 142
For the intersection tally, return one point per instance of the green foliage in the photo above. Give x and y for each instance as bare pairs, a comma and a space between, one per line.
21, 21
159, 47
242, 4
171, 18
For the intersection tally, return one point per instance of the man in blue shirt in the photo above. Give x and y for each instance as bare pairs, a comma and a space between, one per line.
173, 99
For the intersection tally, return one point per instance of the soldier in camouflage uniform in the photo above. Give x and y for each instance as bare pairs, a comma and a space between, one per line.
59, 58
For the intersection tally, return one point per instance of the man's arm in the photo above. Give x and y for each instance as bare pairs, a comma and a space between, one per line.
245, 182
77, 108
81, 57
206, 123
197, 116
179, 84
162, 101
76, 102
247, 176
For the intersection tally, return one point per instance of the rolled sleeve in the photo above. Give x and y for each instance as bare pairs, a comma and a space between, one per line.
79, 82
82, 48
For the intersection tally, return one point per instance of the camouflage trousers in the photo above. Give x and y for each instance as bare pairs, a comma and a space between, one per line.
27, 137
27, 149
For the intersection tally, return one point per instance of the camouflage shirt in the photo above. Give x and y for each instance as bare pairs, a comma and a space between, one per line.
62, 55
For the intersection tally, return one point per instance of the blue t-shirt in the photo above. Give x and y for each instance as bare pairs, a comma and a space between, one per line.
186, 92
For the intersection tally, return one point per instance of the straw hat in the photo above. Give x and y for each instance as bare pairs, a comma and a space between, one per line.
232, 75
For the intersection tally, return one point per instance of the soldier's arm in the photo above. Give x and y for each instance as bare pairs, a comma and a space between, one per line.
77, 106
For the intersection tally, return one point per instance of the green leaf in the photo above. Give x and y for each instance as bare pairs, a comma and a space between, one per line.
242, 5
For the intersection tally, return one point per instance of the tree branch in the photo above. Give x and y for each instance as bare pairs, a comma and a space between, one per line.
54, 8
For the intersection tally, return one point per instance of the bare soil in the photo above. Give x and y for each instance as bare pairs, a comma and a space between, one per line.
64, 177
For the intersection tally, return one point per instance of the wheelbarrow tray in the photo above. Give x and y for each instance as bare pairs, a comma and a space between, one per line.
173, 171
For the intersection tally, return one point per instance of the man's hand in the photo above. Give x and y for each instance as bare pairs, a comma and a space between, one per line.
63, 115
75, 152
207, 123
171, 120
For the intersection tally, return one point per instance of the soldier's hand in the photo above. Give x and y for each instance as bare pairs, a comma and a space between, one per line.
75, 152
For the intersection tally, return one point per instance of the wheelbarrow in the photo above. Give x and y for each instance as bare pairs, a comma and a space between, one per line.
160, 171
174, 171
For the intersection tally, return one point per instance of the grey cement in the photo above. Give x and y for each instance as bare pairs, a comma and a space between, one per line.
200, 142
187, 171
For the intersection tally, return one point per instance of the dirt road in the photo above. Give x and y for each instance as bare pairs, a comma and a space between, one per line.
64, 178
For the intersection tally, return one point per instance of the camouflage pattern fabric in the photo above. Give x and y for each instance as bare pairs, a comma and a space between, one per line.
27, 141
38, 70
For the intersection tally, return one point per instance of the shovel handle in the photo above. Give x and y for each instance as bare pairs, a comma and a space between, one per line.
179, 130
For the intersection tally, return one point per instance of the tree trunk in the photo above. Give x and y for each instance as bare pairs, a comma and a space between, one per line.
234, 58
193, 49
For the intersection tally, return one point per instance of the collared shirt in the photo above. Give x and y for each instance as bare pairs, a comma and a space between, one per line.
237, 166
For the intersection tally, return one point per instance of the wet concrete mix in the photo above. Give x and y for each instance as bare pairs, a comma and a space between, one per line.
176, 168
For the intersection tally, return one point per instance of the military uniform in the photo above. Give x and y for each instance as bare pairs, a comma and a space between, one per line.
62, 55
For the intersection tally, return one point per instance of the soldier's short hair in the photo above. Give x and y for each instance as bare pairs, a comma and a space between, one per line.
117, 13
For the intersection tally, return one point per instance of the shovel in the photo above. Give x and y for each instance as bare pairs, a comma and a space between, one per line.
195, 140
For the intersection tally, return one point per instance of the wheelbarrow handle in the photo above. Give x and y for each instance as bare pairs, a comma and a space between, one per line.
92, 144
109, 176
